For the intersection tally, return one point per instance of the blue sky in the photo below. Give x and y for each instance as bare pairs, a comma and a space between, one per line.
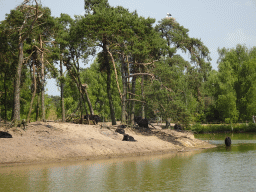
218, 23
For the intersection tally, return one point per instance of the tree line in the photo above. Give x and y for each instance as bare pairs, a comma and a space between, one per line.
138, 70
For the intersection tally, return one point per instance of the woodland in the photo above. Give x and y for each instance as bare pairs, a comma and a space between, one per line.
138, 69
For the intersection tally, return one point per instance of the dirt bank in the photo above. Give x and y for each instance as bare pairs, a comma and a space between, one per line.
50, 141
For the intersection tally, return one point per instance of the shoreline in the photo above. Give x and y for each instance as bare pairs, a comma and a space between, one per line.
47, 142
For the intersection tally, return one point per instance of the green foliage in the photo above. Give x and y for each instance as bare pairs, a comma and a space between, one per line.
185, 91
233, 87
242, 127
97, 91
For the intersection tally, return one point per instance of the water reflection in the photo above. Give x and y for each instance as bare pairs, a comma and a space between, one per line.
216, 169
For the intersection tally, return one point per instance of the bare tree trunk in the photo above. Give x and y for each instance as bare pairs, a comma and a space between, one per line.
22, 36
81, 108
128, 104
133, 102
42, 78
84, 91
1, 102
81, 88
142, 94
89, 102
84, 102
16, 107
34, 93
5, 99
116, 76
111, 106
62, 92
107, 64
37, 107
124, 81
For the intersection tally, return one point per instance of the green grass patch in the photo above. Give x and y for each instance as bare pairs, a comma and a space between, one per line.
221, 128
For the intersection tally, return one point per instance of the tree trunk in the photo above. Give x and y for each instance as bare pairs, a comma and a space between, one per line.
84, 91
132, 97
84, 102
16, 107
62, 92
81, 108
128, 104
111, 106
37, 107
1, 102
124, 81
89, 102
142, 94
107, 64
42, 79
5, 99
34, 93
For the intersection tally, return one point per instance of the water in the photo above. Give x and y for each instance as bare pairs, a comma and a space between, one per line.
217, 169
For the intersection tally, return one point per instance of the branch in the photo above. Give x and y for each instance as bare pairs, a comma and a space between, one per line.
50, 65
135, 100
133, 94
144, 63
136, 74
115, 73
26, 59
31, 26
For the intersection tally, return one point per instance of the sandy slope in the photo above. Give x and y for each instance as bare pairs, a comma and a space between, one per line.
50, 141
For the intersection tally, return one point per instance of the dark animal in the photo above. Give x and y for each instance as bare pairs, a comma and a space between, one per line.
137, 119
141, 122
128, 138
227, 141
178, 127
123, 126
5, 135
120, 130
95, 118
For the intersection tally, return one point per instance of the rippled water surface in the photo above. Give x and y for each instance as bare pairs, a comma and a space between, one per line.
217, 169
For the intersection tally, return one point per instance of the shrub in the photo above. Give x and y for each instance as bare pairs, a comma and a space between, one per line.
210, 128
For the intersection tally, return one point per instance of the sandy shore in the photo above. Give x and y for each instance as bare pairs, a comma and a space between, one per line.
51, 142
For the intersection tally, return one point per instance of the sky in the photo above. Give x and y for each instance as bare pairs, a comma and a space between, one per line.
218, 23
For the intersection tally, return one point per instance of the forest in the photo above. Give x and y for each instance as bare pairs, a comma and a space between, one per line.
138, 69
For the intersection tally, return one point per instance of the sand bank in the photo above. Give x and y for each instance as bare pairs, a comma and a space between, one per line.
56, 141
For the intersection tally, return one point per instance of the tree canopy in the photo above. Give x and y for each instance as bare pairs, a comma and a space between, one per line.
137, 69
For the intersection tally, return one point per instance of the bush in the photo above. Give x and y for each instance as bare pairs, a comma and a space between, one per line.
251, 127
198, 128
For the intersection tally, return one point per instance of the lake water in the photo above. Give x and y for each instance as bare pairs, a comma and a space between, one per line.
217, 169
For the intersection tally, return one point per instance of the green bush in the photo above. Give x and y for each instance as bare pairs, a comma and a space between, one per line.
251, 127
198, 128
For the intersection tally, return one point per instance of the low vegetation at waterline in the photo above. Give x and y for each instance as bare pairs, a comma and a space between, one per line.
219, 128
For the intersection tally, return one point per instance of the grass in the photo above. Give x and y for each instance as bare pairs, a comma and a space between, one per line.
221, 128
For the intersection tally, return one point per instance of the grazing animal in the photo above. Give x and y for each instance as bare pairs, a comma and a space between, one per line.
128, 138
227, 141
5, 135
178, 127
120, 130
95, 118
141, 122
137, 119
